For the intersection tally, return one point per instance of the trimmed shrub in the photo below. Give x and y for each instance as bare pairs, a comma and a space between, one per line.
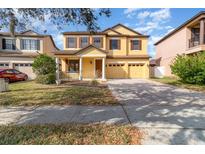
94, 82
46, 79
44, 64
45, 67
190, 69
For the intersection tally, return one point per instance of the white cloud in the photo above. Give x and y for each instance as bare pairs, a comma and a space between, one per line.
149, 21
148, 28
130, 10
162, 14
143, 15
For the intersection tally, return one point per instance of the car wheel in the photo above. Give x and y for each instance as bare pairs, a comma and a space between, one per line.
25, 78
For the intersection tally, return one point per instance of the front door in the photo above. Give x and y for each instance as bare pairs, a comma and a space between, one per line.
98, 68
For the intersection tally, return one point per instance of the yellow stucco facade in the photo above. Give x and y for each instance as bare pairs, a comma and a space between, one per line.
103, 62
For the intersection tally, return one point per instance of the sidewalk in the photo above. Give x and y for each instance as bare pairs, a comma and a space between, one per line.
62, 114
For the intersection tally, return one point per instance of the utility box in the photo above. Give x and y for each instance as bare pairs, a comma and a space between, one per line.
4, 86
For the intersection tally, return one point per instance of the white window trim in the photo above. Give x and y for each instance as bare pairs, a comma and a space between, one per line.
29, 38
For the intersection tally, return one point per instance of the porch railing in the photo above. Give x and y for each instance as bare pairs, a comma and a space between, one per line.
195, 41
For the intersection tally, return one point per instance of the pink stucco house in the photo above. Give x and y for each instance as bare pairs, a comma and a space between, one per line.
189, 38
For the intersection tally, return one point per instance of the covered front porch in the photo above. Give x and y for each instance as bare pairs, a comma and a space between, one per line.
88, 64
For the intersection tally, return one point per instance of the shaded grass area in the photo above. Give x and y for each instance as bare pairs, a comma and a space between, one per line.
175, 82
31, 93
70, 134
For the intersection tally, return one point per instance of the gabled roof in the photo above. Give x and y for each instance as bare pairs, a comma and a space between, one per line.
74, 52
112, 30
91, 46
119, 24
104, 32
180, 27
29, 31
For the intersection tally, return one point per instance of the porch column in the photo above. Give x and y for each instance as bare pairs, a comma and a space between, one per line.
57, 71
103, 69
201, 39
80, 69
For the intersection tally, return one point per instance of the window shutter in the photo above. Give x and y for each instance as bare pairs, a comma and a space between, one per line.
131, 43
119, 44
21, 44
3, 43
140, 44
101, 42
110, 43
38, 44
80, 42
14, 44
75, 42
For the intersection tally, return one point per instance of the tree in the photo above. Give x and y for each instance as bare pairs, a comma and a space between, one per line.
21, 17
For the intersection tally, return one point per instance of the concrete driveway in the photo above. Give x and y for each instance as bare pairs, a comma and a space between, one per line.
168, 114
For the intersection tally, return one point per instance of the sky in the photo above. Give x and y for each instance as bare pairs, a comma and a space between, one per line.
154, 22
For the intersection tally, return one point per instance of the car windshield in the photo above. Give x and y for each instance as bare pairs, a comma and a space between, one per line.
16, 72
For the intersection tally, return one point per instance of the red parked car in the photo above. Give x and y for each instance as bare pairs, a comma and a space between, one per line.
12, 75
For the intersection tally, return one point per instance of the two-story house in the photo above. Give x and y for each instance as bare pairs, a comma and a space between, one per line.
189, 38
116, 52
19, 51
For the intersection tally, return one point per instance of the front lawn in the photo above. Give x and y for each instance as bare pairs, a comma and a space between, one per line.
31, 93
69, 134
175, 82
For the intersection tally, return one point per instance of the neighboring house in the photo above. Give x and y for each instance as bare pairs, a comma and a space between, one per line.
19, 51
189, 38
117, 52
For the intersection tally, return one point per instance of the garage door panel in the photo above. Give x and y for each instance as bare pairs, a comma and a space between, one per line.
136, 70
116, 71
4, 65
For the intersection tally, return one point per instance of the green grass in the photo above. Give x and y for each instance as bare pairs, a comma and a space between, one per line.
175, 82
69, 134
31, 93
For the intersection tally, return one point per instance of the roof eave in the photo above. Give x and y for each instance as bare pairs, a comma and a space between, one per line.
180, 27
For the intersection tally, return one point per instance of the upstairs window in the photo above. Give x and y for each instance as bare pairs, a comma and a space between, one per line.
9, 44
30, 44
136, 44
114, 44
71, 42
98, 42
83, 42
73, 66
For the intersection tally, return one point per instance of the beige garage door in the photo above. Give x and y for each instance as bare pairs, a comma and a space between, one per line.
115, 71
25, 68
4, 65
136, 70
